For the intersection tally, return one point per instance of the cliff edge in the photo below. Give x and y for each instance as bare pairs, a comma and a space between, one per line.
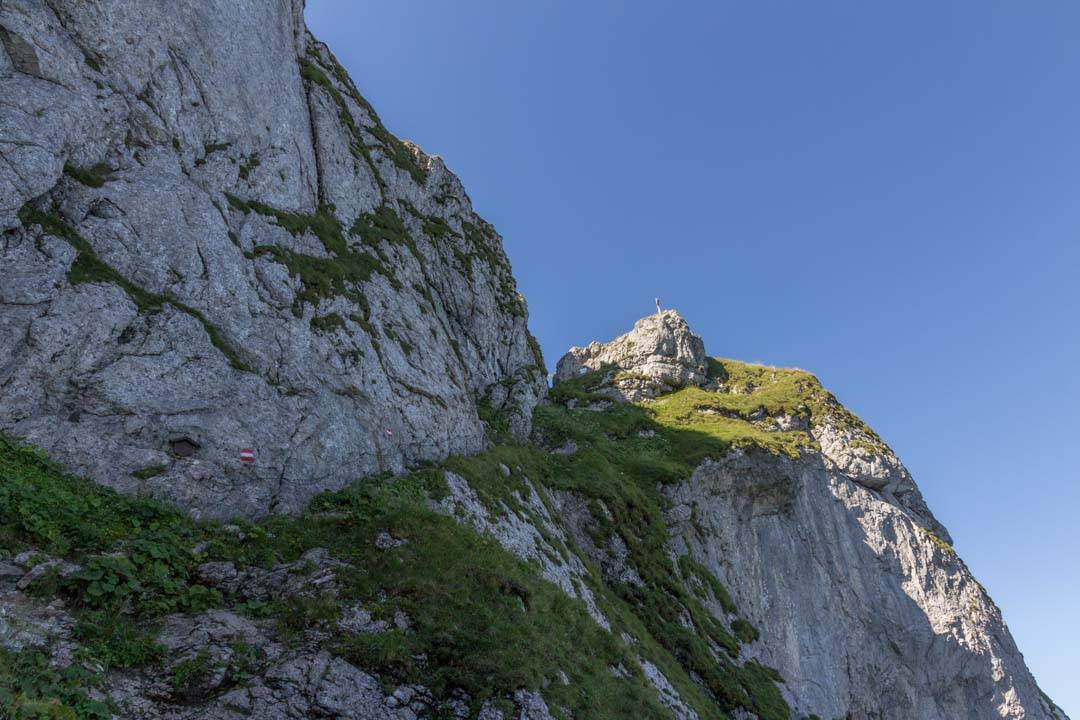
212, 244
820, 535
275, 441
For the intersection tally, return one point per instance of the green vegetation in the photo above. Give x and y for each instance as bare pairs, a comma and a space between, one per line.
88, 268
938, 542
327, 323
94, 177
744, 630
149, 471
320, 278
481, 620
32, 690
384, 224
248, 166
135, 554
113, 641
91, 62
485, 621
187, 674
396, 150
693, 569
746, 394
624, 451
538, 356
747, 387
436, 227
498, 424
695, 409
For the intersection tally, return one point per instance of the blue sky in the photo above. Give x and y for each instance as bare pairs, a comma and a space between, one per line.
884, 194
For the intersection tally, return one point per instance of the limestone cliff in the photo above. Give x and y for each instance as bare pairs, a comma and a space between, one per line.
823, 540
211, 243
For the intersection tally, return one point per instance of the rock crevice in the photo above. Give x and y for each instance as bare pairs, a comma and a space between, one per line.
214, 159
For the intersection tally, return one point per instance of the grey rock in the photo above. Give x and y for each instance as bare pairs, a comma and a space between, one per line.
531, 706
524, 532
27, 622
864, 614
568, 448
285, 684
10, 571
357, 620
184, 105
667, 693
863, 606
846, 450
612, 556
386, 541
62, 568
658, 355
315, 573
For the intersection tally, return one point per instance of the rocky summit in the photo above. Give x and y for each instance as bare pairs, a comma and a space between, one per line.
659, 355
275, 440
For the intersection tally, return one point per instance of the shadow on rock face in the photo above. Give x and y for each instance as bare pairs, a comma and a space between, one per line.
848, 587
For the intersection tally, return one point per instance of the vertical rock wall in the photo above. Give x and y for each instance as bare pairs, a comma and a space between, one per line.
210, 242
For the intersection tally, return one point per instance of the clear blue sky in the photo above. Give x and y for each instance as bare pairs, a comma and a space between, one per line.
883, 193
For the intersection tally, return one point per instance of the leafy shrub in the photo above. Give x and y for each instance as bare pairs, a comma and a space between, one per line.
32, 690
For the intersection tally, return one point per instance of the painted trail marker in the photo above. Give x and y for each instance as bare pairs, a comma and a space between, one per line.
247, 455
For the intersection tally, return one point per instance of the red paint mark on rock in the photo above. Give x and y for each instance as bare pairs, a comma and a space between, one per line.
247, 455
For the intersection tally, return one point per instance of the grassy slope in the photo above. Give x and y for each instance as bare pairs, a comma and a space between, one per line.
486, 622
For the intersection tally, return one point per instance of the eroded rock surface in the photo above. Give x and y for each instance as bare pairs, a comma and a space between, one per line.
210, 242
222, 665
659, 355
828, 546
865, 614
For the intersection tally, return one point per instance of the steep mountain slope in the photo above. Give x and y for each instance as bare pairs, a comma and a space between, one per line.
822, 538
698, 554
211, 243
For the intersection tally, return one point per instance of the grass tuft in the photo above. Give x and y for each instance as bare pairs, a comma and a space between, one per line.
89, 268
94, 177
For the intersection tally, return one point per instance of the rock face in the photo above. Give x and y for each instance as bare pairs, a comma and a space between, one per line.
225, 284
865, 608
851, 588
659, 355
210, 242
224, 666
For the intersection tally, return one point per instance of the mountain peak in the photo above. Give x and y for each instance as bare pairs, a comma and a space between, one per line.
660, 354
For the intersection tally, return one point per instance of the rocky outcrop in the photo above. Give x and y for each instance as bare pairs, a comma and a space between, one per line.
866, 611
211, 243
225, 284
659, 355
221, 665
